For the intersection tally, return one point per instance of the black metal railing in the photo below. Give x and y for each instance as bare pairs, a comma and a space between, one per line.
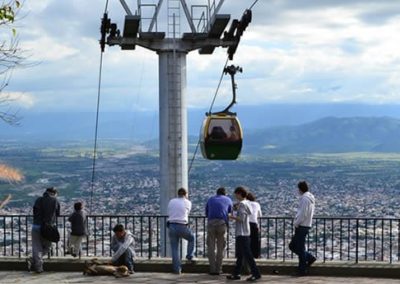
341, 239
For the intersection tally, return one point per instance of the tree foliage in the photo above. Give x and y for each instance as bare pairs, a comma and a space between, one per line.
11, 56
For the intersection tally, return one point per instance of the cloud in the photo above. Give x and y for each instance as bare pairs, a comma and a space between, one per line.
24, 100
293, 51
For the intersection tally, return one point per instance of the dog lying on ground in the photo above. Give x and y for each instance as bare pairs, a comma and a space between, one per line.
95, 267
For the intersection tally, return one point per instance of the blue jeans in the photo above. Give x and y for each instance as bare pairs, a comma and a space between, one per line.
244, 255
298, 246
125, 259
177, 232
40, 247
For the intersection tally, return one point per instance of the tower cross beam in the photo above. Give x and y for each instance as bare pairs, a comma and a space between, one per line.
167, 44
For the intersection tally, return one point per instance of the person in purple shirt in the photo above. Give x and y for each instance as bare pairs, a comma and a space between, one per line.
218, 209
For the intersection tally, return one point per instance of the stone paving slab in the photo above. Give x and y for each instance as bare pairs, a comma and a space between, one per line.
159, 278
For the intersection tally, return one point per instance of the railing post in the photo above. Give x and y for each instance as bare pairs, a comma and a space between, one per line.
94, 237
374, 239
324, 236
27, 236
390, 241
341, 239
12, 235
332, 238
283, 239
357, 236
102, 236
150, 238
383, 239
366, 239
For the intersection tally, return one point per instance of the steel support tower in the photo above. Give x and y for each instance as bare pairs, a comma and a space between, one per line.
206, 28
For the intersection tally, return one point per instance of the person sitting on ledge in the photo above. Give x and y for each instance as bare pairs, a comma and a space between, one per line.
123, 246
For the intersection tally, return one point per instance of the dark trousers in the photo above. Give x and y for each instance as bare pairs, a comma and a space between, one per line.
255, 240
298, 246
125, 259
244, 254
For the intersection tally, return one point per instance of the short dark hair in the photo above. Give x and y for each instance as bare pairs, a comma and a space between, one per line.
250, 196
302, 186
51, 190
78, 206
182, 192
221, 191
241, 190
118, 228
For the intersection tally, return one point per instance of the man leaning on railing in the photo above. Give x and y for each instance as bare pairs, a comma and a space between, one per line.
45, 212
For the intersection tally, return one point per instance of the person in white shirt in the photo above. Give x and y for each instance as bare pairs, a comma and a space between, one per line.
255, 243
178, 221
302, 224
242, 233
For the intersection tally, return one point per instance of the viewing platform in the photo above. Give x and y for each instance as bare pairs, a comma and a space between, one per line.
157, 270
161, 278
348, 248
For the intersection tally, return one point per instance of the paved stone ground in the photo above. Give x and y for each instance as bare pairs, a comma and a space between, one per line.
159, 278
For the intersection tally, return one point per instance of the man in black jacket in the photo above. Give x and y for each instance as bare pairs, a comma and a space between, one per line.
45, 211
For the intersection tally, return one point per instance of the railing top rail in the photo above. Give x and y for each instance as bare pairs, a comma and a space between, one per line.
202, 216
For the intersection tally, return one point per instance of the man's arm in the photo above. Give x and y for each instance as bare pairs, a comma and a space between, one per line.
122, 248
37, 206
300, 216
58, 209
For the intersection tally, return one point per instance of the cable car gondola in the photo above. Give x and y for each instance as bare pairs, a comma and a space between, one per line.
221, 135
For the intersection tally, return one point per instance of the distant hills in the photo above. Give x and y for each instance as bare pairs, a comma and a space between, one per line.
329, 135
143, 125
329, 128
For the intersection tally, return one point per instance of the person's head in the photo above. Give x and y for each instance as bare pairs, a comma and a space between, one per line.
250, 196
78, 206
303, 187
182, 192
221, 191
119, 230
240, 193
52, 191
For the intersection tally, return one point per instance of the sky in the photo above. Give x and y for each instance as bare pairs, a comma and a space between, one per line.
303, 51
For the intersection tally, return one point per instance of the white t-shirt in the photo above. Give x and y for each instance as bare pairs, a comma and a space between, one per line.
255, 211
178, 210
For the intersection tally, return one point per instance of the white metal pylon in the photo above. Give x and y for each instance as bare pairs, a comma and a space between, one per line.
172, 48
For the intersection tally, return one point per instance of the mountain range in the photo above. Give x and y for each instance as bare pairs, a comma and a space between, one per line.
329, 135
311, 128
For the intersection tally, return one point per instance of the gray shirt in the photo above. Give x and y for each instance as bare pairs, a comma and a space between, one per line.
243, 221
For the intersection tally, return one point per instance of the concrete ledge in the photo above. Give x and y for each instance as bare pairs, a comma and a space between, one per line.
338, 269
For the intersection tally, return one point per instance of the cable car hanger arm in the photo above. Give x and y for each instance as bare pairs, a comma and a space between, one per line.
231, 70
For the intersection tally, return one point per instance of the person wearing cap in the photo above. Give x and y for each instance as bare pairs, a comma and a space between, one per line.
178, 221
45, 211
218, 209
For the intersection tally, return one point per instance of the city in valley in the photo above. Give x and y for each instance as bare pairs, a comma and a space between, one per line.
127, 179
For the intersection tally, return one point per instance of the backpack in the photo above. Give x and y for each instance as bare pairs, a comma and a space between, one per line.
50, 232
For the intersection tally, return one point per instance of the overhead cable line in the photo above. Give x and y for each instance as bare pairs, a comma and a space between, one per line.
209, 111
255, 2
97, 124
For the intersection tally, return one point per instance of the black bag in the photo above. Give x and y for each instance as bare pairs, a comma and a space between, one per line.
50, 232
